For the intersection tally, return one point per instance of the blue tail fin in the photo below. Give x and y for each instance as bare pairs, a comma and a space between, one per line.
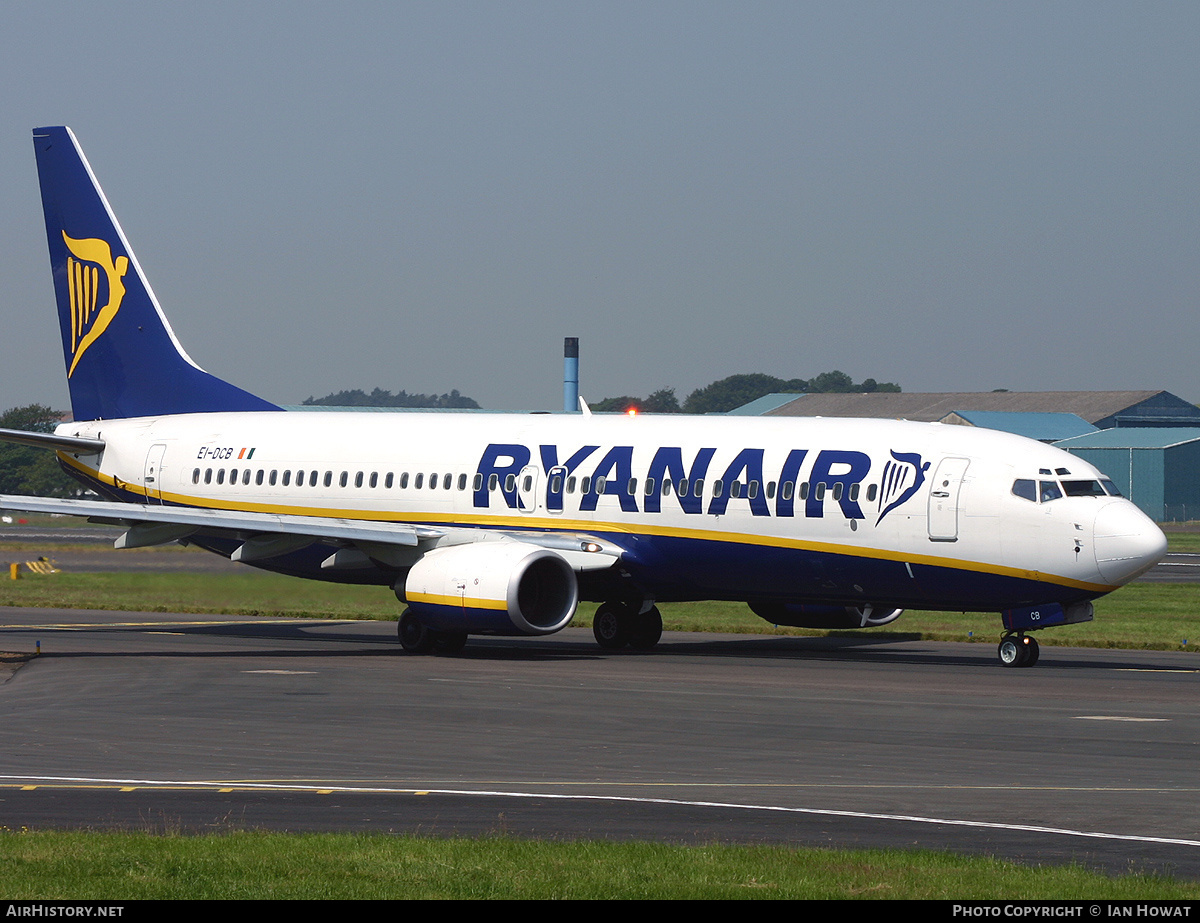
121, 355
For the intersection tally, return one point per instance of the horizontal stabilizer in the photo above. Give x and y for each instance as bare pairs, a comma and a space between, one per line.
77, 444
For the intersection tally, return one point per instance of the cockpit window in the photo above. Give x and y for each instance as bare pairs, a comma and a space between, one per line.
1083, 489
1045, 491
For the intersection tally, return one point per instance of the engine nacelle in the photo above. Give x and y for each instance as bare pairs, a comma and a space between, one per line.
492, 587
806, 615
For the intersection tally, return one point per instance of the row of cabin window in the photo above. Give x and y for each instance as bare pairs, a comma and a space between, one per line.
681, 487
285, 478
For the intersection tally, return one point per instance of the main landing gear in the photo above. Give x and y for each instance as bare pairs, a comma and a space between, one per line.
617, 626
1018, 649
417, 639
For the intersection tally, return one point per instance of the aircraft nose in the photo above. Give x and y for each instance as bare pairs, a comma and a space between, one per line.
1127, 542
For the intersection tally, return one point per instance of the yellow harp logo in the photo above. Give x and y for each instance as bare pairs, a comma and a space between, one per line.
90, 257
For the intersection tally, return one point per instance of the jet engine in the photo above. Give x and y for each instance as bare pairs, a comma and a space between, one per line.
807, 615
492, 587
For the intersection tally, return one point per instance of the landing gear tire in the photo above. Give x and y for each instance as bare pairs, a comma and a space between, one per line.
1018, 650
414, 636
449, 642
610, 626
645, 630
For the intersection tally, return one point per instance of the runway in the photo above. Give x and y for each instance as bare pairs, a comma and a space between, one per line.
157, 721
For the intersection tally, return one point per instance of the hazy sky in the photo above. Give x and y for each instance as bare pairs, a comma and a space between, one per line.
952, 196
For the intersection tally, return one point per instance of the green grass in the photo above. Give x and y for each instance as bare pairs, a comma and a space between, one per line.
1158, 616
132, 866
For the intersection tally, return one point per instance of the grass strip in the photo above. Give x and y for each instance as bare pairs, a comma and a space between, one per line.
260, 865
1149, 616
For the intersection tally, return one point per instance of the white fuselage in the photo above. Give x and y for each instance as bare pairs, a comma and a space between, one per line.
845, 508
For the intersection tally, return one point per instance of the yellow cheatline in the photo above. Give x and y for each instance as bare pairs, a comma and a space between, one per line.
469, 602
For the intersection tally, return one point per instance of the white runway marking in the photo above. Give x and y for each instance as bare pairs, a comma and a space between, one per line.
226, 785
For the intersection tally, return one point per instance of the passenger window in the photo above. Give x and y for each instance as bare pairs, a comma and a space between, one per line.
258, 477
872, 489
788, 487
478, 482
246, 477
195, 475
389, 480
650, 485
374, 482
510, 483
419, 481
493, 481
462, 482
274, 476
358, 479
447, 481
344, 479
220, 475
287, 477
433, 481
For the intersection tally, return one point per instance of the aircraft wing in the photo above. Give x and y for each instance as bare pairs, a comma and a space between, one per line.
266, 535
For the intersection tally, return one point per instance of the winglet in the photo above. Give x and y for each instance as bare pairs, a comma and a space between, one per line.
121, 356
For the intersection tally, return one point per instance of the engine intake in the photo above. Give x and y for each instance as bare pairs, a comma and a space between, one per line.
492, 587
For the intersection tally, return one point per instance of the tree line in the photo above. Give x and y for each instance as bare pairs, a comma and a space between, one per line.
381, 398
28, 471
737, 390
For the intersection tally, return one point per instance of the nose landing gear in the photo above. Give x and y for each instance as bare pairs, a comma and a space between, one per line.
1018, 649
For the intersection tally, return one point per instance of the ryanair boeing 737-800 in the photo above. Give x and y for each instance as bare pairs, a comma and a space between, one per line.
503, 525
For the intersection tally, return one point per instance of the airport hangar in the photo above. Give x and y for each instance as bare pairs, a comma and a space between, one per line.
1148, 442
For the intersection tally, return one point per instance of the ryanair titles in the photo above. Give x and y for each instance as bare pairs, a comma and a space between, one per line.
800, 486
